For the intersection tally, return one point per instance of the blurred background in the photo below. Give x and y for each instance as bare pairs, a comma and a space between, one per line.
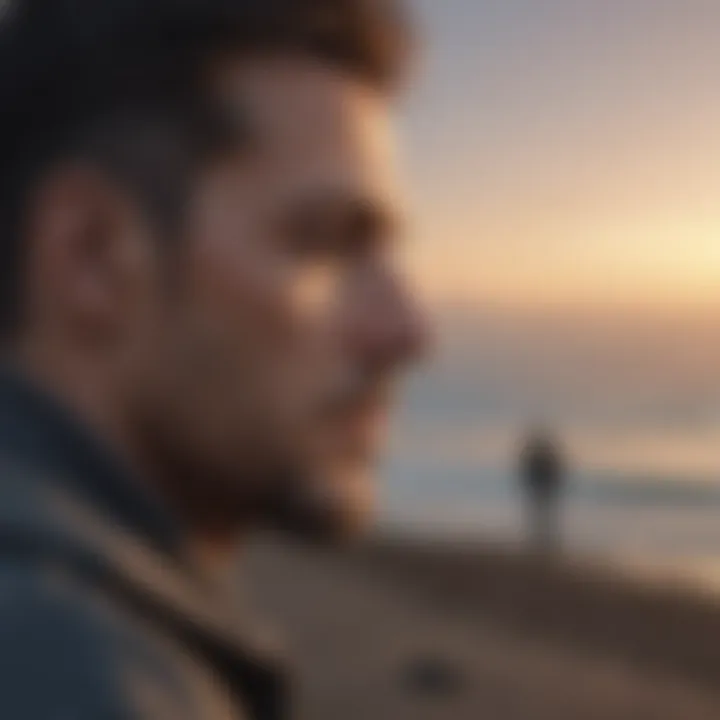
564, 165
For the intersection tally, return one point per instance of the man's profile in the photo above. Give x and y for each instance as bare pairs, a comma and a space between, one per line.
201, 321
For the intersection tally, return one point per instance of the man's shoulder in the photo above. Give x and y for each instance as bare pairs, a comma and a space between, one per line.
67, 652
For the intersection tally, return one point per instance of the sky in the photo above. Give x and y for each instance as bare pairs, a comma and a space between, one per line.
563, 163
566, 152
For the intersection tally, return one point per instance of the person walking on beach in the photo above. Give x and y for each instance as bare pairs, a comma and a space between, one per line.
542, 474
201, 321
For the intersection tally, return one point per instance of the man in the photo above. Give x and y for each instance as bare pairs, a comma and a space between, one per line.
201, 319
542, 474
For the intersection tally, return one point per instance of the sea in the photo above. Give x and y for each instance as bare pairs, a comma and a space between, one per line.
633, 404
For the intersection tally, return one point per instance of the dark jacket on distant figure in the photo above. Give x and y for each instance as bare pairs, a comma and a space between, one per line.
102, 617
542, 468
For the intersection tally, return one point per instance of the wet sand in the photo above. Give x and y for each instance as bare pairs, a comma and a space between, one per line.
411, 631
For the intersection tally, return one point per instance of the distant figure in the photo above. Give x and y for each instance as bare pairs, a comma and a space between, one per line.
542, 474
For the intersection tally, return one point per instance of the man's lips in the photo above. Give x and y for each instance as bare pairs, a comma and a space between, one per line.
359, 432
354, 423
370, 399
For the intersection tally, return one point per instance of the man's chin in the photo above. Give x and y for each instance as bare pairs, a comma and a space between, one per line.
331, 512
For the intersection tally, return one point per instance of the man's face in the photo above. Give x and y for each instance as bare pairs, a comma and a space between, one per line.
272, 368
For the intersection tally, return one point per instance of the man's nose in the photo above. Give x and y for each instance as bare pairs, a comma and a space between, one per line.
390, 329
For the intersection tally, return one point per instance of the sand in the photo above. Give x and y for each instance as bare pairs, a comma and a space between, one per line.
398, 631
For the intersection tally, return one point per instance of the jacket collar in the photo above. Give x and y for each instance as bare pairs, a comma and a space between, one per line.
40, 432
65, 498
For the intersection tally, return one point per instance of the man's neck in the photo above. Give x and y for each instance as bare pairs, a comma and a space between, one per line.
213, 543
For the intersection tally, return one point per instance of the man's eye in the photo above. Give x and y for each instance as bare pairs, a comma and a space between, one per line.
313, 240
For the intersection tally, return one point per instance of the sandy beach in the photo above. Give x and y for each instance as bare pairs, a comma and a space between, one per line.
401, 631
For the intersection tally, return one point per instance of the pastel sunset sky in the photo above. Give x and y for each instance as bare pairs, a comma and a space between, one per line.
566, 151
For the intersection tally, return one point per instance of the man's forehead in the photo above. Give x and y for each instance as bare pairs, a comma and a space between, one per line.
314, 125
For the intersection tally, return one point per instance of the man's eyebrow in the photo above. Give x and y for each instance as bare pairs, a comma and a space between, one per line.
378, 213
375, 220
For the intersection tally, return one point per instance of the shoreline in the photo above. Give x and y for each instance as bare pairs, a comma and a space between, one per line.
534, 637
653, 617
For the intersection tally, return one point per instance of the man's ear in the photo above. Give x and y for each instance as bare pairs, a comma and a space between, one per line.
86, 248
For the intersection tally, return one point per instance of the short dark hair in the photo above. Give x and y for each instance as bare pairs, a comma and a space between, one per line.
121, 80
